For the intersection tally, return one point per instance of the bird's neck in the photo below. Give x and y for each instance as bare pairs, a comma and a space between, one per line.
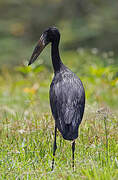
56, 60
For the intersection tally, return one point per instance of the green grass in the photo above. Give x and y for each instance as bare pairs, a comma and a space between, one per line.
27, 126
27, 139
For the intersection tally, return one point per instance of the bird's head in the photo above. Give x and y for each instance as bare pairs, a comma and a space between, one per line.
49, 35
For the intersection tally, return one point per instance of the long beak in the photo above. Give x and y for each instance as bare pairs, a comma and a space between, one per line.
38, 49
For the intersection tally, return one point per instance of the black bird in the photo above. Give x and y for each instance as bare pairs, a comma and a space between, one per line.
67, 95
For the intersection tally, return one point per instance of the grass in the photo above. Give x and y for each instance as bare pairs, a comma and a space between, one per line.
27, 140
27, 127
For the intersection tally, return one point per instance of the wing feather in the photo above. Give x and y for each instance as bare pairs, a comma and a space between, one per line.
67, 100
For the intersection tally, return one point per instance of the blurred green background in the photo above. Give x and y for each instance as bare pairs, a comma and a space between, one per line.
88, 41
83, 23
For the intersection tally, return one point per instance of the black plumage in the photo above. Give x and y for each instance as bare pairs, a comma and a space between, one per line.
67, 102
67, 95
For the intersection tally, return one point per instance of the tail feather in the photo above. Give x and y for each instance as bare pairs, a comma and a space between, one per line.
70, 133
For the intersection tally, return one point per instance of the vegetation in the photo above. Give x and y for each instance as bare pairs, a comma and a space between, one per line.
83, 23
27, 127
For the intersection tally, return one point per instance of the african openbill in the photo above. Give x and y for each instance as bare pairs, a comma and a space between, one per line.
67, 95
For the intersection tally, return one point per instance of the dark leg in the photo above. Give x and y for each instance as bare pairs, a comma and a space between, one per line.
54, 148
73, 150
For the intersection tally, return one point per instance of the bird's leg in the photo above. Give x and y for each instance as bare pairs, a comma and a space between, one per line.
54, 148
73, 150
